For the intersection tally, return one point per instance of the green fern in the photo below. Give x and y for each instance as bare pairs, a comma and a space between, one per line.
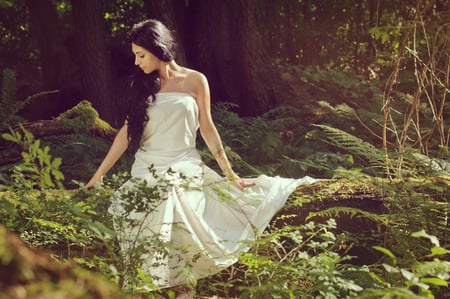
352, 144
334, 212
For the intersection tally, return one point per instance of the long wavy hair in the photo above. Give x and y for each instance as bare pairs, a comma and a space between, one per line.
155, 37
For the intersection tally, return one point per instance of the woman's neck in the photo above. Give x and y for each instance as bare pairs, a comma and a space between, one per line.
168, 70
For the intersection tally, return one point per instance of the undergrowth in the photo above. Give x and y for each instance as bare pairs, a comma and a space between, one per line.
299, 260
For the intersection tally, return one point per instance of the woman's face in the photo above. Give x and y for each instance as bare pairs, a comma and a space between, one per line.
144, 59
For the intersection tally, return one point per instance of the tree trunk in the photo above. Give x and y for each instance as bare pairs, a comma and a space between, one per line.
46, 30
45, 27
94, 57
165, 11
225, 43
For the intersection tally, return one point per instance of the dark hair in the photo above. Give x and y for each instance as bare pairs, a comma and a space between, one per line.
158, 39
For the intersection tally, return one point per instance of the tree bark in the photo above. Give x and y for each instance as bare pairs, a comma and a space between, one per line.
94, 57
224, 41
46, 30
165, 11
45, 26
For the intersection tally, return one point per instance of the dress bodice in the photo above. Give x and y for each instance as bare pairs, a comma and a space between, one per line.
170, 134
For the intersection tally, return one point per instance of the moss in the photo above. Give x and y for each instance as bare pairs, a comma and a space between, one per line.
82, 118
26, 272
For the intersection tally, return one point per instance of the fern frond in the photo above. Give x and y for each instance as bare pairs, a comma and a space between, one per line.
352, 144
334, 212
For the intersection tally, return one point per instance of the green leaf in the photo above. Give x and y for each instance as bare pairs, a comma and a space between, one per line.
408, 275
391, 269
378, 279
27, 134
350, 160
434, 281
56, 163
423, 234
386, 252
47, 180
101, 230
439, 251
9, 137
58, 175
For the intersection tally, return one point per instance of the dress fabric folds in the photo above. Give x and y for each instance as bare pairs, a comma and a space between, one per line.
195, 223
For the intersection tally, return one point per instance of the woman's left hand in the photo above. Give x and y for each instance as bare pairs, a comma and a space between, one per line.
239, 183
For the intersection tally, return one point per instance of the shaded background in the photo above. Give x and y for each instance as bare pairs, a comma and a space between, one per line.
245, 47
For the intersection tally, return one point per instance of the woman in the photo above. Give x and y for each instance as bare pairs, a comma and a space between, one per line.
203, 219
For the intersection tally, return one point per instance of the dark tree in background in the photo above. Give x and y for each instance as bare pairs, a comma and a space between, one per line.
94, 57
46, 30
223, 39
166, 12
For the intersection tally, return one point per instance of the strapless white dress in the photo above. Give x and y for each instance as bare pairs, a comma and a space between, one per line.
202, 222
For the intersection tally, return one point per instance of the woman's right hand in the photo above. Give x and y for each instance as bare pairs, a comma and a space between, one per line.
118, 147
95, 180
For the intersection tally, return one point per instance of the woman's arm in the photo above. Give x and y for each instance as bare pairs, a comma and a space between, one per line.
116, 150
209, 131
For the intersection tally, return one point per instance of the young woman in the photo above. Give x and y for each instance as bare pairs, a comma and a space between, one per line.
203, 218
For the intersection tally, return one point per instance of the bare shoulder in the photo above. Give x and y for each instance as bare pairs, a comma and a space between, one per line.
194, 74
196, 82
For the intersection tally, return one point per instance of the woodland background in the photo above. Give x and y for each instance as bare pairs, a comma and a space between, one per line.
352, 91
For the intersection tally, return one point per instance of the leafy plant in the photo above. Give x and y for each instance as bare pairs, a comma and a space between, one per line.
38, 169
293, 261
423, 279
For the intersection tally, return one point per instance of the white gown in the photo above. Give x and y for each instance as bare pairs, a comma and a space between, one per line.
203, 222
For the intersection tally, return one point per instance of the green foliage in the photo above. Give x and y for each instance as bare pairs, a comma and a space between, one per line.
297, 262
348, 212
38, 169
339, 87
368, 156
272, 142
255, 129
422, 279
81, 154
260, 141
294, 261
413, 205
